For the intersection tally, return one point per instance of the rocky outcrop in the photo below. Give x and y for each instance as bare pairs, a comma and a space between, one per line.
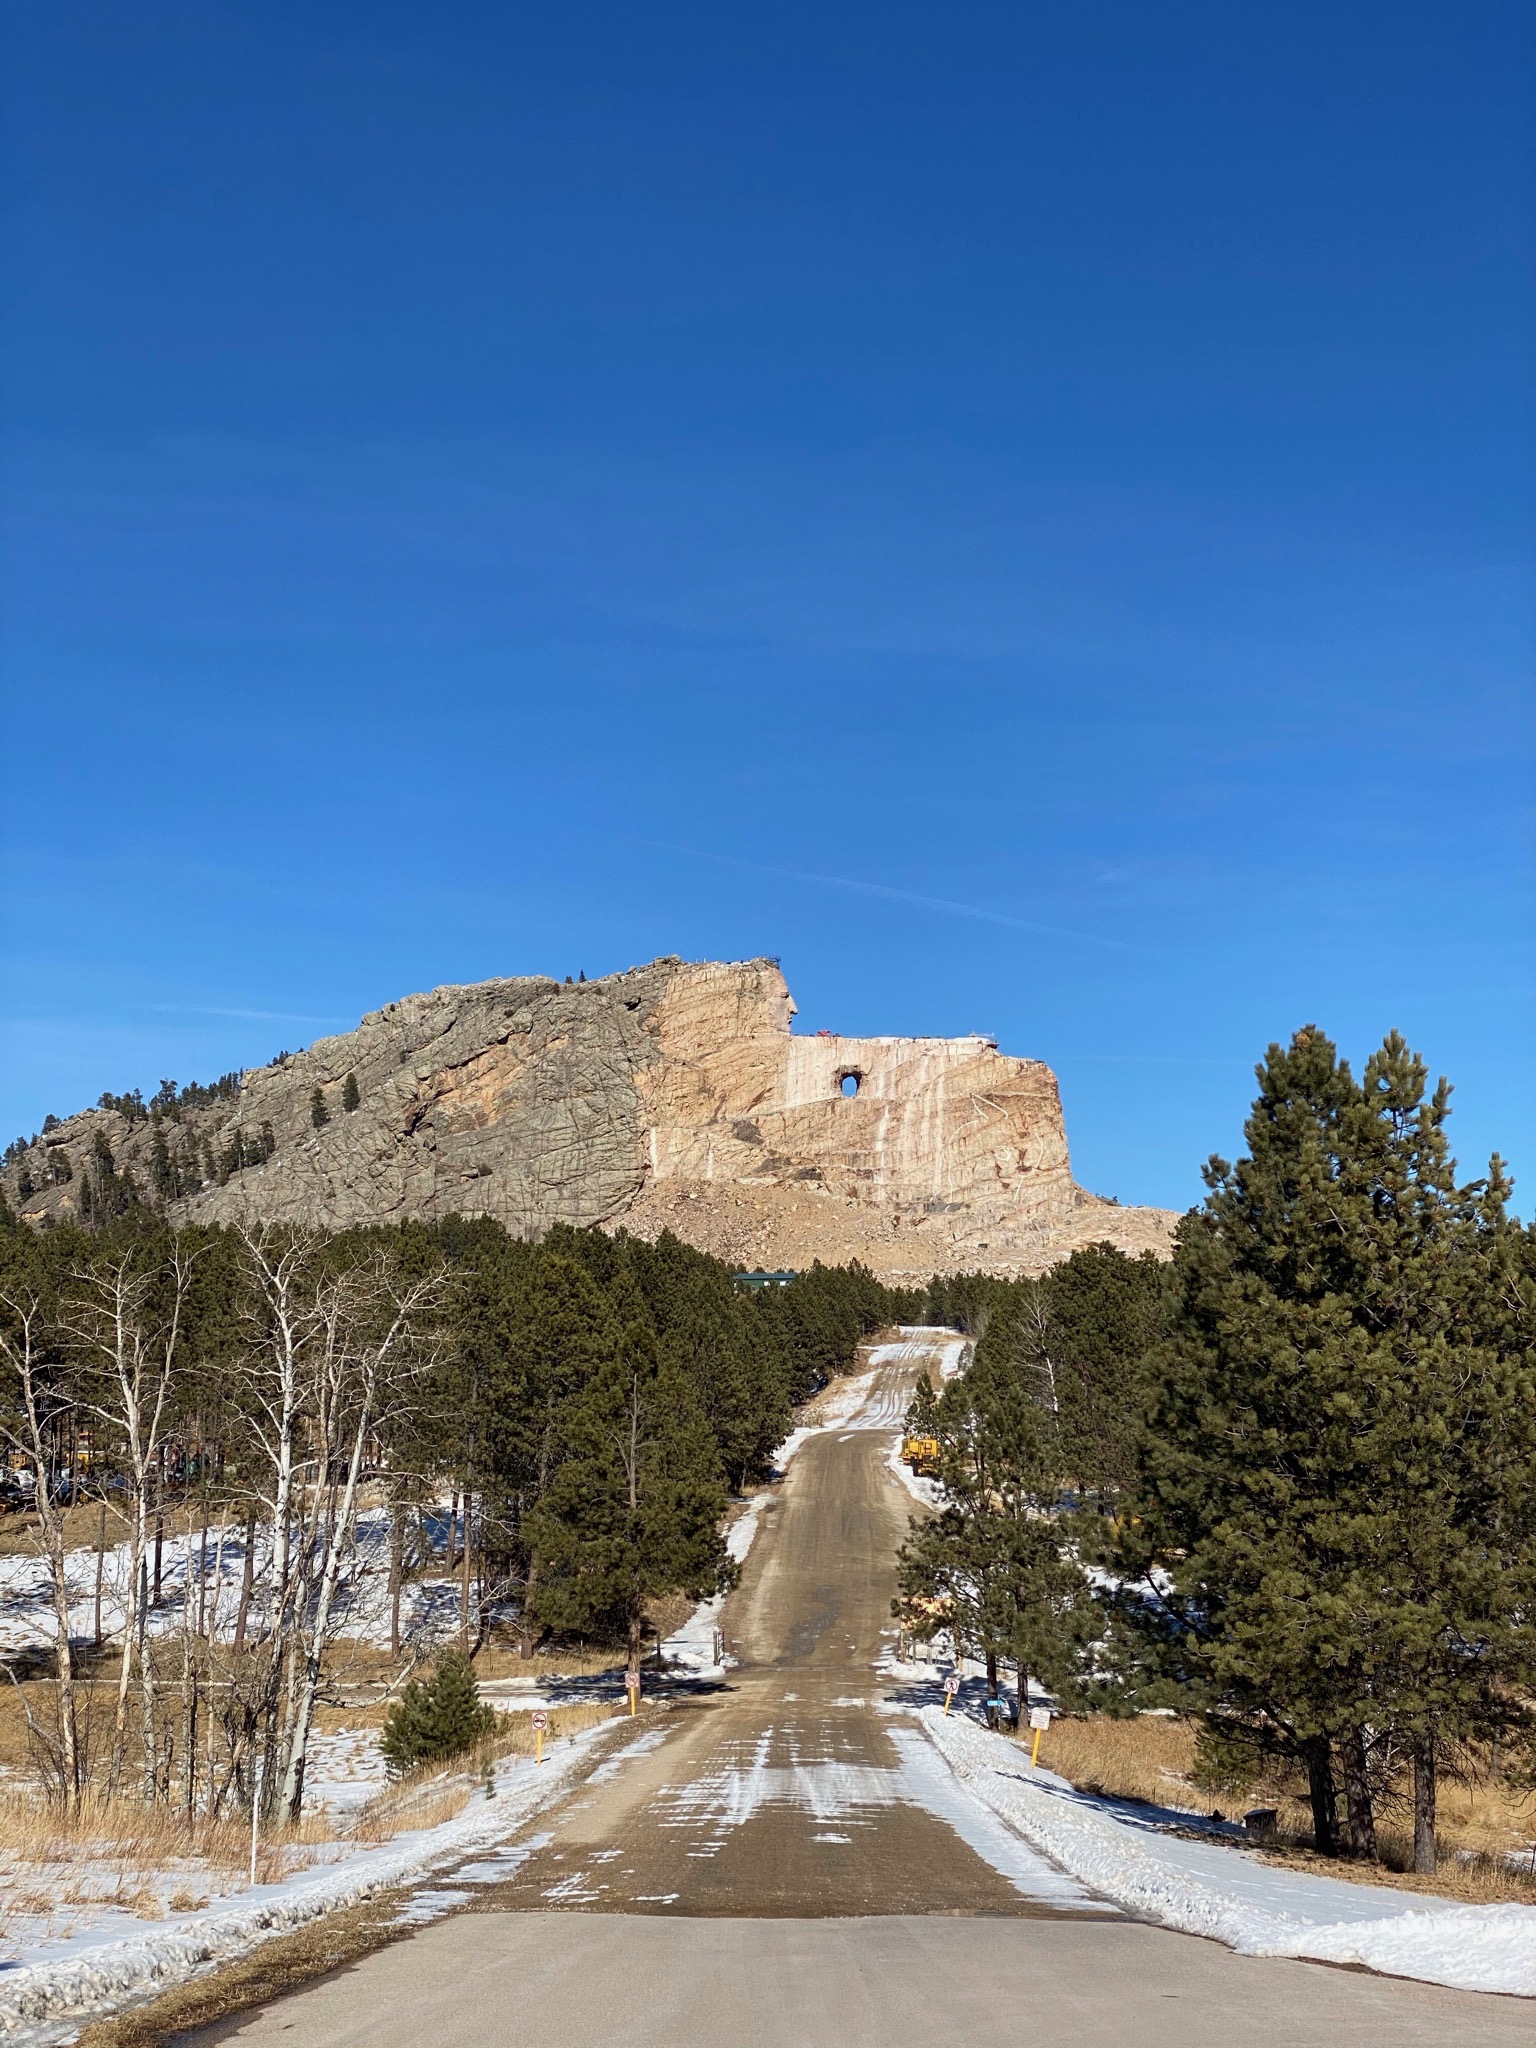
675, 1095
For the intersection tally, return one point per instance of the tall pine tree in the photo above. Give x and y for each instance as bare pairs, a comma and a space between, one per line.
633, 1512
995, 1567
1332, 1531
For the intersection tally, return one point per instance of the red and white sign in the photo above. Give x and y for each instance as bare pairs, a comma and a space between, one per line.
631, 1681
951, 1685
540, 1721
1040, 1717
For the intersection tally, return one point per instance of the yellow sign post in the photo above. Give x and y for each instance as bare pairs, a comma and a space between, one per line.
1039, 1721
632, 1686
951, 1687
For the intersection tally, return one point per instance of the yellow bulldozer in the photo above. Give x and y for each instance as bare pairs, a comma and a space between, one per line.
922, 1454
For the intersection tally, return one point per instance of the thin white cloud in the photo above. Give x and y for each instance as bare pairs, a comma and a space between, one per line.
945, 905
260, 1016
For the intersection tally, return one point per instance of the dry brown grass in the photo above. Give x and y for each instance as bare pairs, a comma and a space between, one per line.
14, 1749
95, 1705
82, 1528
365, 1666
123, 1833
1148, 1757
280, 1964
436, 1792
422, 1800
117, 1846
1482, 1819
517, 1738
150, 1860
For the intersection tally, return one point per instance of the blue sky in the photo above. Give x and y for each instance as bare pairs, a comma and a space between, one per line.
1024, 513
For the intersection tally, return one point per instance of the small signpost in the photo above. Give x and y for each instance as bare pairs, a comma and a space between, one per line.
632, 1687
951, 1687
1039, 1721
540, 1723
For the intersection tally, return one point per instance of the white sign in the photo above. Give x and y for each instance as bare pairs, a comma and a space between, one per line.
632, 1681
540, 1721
1040, 1717
951, 1685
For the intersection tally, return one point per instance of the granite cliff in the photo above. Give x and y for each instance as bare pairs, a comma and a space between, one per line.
675, 1095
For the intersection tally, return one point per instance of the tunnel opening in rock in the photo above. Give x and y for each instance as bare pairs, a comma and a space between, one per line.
848, 1081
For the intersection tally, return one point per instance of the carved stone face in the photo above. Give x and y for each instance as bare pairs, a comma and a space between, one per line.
781, 1005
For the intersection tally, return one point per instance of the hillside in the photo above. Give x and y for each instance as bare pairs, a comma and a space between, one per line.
674, 1095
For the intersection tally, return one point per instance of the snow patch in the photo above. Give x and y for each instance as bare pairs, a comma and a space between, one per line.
694, 1645
1255, 1908
96, 1971
867, 1401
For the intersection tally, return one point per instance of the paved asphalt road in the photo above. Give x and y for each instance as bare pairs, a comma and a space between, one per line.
786, 1863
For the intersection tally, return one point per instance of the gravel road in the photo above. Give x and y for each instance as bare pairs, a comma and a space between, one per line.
784, 1863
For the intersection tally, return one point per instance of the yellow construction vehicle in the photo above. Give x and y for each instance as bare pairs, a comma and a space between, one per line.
922, 1454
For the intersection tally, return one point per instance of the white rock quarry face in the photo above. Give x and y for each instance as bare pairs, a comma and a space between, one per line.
674, 1095
915, 1121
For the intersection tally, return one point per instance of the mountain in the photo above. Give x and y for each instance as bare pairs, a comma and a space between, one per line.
674, 1095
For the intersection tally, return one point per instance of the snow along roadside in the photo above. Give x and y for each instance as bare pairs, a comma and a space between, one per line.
94, 1979
849, 1403
693, 1645
1258, 1909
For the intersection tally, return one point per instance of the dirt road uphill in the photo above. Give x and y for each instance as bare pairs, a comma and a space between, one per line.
787, 1862
792, 1792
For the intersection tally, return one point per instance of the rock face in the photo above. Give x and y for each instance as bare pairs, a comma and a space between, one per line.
675, 1095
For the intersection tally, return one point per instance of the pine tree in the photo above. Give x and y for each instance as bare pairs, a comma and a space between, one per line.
1332, 1526
633, 1512
434, 1721
737, 1370
350, 1094
1089, 1326
162, 1172
996, 1566
318, 1113
1434, 1268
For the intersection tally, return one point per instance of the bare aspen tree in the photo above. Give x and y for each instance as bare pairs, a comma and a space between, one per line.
331, 1356
40, 1400
396, 1567
125, 1325
247, 1576
1040, 1340
101, 1566
282, 1320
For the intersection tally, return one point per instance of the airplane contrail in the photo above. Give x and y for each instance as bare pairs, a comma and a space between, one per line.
945, 904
